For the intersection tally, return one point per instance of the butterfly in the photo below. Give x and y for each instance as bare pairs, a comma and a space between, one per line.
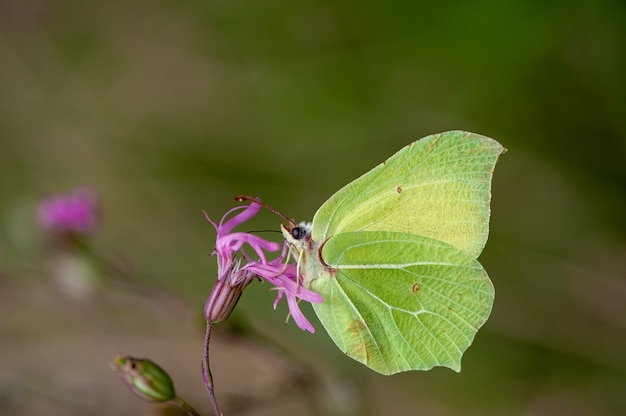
394, 254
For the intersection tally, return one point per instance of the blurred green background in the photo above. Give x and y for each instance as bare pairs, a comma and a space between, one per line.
166, 108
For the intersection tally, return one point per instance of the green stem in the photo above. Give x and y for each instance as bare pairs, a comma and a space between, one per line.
185, 406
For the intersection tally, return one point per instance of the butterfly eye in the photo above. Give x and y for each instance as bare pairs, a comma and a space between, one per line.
297, 232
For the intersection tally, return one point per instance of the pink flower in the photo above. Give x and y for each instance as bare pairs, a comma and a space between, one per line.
74, 213
228, 244
233, 277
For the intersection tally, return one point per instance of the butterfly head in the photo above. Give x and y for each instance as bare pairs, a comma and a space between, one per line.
297, 235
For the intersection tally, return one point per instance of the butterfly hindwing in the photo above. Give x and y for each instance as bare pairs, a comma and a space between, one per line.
399, 302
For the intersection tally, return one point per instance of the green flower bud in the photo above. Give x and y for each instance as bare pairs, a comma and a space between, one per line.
144, 378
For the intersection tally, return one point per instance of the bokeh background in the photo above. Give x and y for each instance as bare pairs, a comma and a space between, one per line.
166, 108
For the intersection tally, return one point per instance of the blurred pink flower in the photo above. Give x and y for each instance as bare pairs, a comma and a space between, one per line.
233, 277
73, 213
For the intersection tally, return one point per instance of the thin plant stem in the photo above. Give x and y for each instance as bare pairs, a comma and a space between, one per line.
206, 370
185, 406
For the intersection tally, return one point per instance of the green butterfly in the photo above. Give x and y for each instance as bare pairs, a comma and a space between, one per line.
394, 253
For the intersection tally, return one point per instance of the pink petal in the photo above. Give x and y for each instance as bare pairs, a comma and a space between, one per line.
248, 212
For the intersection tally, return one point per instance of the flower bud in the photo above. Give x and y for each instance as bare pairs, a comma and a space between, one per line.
144, 378
225, 295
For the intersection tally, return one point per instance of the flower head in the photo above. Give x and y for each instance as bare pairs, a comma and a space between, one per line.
285, 279
233, 277
228, 244
73, 213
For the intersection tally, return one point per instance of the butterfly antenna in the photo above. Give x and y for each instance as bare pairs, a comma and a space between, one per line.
242, 198
292, 224
263, 231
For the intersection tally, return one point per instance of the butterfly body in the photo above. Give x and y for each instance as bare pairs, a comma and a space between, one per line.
394, 253
307, 253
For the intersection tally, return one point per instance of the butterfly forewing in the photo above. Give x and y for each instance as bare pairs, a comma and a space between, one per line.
438, 187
